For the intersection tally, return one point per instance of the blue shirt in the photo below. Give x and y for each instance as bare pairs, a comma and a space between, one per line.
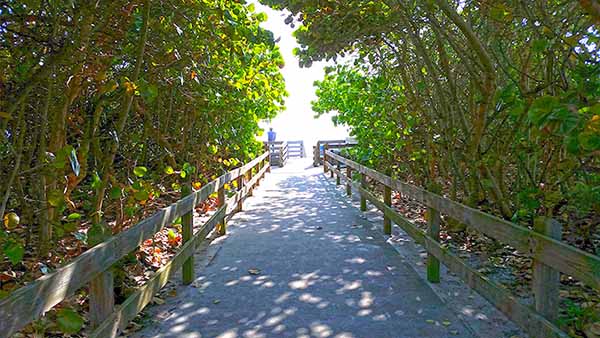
271, 136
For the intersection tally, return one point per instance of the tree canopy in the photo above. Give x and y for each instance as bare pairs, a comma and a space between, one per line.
495, 101
106, 106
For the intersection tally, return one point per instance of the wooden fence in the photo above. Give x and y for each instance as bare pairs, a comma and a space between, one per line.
92, 268
279, 152
330, 144
296, 149
550, 256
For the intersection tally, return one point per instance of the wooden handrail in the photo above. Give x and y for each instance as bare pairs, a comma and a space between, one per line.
332, 144
548, 253
279, 152
31, 301
296, 149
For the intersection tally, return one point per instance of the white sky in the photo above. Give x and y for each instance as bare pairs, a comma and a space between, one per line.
297, 122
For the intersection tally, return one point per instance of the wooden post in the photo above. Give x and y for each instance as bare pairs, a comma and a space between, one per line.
257, 171
269, 168
339, 168
221, 227
348, 181
387, 199
102, 297
240, 186
187, 225
325, 148
281, 153
248, 178
433, 231
331, 171
546, 281
363, 199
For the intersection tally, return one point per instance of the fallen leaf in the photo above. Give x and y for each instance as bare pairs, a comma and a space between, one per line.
158, 301
254, 271
216, 301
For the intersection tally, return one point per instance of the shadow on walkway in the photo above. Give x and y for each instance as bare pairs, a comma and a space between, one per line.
300, 263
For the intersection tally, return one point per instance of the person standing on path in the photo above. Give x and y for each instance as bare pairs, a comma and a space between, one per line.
271, 135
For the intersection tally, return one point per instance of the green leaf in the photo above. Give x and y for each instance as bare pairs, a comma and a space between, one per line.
69, 321
171, 234
14, 251
540, 45
141, 195
188, 168
70, 227
149, 92
115, 193
589, 141
97, 233
572, 144
169, 170
96, 181
74, 216
541, 108
60, 160
140, 171
55, 198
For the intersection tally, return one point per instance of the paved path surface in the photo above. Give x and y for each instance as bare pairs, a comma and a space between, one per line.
322, 274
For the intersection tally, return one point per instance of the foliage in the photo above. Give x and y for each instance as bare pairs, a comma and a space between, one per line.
107, 106
497, 101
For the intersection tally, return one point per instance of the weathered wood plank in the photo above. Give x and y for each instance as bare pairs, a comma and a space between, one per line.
30, 302
222, 202
523, 315
245, 192
348, 181
325, 152
127, 311
33, 300
102, 297
187, 224
546, 280
387, 199
562, 257
240, 185
363, 199
330, 165
433, 230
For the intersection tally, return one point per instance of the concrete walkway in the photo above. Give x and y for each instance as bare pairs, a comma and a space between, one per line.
301, 262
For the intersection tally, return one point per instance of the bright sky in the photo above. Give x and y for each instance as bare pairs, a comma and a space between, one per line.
297, 122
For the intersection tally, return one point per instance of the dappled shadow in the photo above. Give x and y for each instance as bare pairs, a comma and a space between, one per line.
300, 263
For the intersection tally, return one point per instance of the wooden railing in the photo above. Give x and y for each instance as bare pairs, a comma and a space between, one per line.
279, 152
550, 256
296, 149
93, 266
330, 144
